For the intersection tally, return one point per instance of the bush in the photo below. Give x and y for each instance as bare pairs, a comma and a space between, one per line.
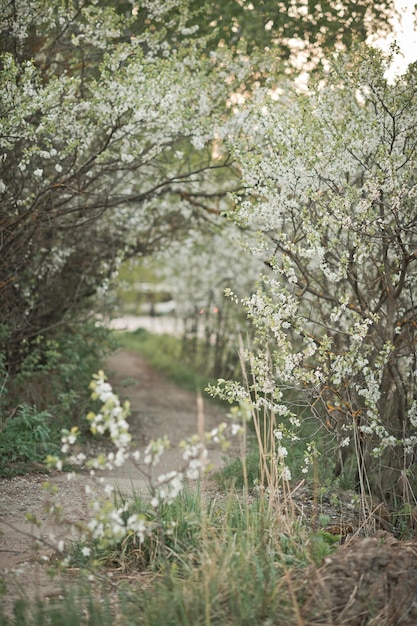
56, 371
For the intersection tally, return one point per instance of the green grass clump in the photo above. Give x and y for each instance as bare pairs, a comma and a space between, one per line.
227, 562
25, 439
232, 473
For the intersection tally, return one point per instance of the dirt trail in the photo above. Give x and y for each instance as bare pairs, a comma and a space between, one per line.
158, 408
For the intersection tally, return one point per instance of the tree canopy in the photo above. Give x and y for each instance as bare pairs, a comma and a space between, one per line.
108, 112
318, 28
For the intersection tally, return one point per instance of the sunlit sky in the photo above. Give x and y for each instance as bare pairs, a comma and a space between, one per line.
405, 34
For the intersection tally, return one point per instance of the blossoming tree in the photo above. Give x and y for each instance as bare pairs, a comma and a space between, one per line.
105, 124
331, 187
107, 110
197, 273
289, 27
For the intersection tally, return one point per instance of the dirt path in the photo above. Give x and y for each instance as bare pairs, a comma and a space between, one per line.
158, 408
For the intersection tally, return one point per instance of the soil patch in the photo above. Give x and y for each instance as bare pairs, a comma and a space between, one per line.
370, 581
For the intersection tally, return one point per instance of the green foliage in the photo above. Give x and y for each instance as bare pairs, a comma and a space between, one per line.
24, 439
220, 555
236, 469
180, 532
232, 474
322, 544
56, 371
182, 527
248, 596
224, 557
235, 576
177, 537
320, 27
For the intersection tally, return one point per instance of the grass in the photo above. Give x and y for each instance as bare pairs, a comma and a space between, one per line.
77, 607
238, 579
228, 560
25, 440
222, 557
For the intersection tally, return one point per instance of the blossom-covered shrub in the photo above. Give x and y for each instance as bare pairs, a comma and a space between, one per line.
330, 185
199, 273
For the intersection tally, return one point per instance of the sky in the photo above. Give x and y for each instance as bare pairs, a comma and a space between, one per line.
405, 35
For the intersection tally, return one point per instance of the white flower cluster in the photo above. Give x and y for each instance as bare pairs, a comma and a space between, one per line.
112, 419
111, 523
168, 488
